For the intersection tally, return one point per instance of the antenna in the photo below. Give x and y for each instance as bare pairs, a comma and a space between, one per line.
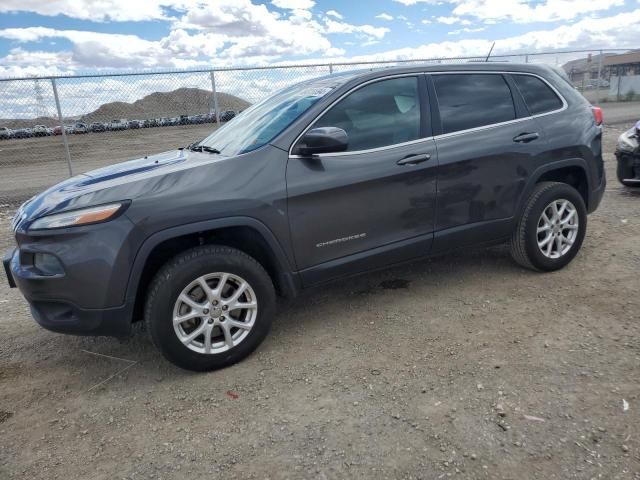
490, 50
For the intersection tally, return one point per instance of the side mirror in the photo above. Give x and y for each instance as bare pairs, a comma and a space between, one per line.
322, 140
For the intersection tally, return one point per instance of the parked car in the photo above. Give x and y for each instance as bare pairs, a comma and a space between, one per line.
80, 128
5, 133
628, 157
150, 123
118, 124
97, 127
332, 177
40, 131
22, 133
134, 124
227, 115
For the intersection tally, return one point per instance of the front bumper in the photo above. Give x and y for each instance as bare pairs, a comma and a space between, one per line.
63, 316
88, 295
628, 166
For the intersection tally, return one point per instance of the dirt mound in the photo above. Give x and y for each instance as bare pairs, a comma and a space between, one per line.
183, 101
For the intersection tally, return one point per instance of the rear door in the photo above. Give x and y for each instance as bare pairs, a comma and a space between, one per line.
379, 192
488, 145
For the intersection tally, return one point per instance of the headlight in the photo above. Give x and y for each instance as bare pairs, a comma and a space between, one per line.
85, 216
627, 142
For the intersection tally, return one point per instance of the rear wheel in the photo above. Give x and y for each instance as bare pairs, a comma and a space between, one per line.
209, 307
552, 227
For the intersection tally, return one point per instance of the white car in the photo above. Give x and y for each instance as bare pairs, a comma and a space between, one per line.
40, 131
119, 124
5, 133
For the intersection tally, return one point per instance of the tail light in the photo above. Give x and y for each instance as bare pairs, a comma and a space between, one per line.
597, 115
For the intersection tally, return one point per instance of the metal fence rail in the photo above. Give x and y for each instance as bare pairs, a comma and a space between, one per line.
54, 127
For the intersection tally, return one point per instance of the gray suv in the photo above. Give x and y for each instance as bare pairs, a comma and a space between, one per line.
328, 178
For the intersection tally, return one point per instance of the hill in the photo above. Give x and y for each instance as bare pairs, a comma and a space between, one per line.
183, 101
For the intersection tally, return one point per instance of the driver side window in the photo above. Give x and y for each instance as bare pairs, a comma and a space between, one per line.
378, 115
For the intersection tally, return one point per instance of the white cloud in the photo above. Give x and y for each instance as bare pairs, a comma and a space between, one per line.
522, 11
294, 4
333, 13
384, 16
332, 26
118, 10
466, 30
452, 20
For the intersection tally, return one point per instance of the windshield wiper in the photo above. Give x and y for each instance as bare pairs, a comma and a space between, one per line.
202, 148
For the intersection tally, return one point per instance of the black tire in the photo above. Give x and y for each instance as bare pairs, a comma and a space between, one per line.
524, 240
621, 176
176, 274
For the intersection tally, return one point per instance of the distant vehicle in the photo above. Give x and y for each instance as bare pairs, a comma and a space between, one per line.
22, 133
134, 124
227, 115
68, 129
184, 119
80, 128
118, 124
628, 157
98, 127
150, 123
57, 130
591, 84
40, 131
5, 133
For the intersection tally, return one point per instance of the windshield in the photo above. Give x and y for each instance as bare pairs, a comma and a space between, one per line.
262, 122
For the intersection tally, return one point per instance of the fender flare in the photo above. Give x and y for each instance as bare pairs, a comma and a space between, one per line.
284, 268
550, 167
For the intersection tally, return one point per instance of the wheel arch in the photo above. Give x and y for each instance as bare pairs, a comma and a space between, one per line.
573, 172
244, 233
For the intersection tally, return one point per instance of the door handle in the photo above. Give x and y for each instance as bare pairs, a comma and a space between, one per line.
526, 137
414, 159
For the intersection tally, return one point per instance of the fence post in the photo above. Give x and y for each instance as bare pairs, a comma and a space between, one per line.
64, 133
215, 96
330, 69
526, 59
598, 79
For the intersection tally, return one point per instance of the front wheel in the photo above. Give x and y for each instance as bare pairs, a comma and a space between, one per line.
209, 307
552, 227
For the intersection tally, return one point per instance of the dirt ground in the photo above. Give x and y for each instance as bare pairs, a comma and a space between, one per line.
464, 366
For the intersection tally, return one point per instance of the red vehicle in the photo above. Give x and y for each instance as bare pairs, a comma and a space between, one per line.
57, 130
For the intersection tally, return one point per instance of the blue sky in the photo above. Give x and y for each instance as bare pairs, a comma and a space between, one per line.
67, 36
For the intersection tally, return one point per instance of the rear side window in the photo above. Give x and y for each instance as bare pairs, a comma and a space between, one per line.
538, 95
378, 115
473, 100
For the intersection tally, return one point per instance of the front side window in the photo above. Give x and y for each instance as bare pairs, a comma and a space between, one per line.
378, 115
262, 122
473, 100
537, 95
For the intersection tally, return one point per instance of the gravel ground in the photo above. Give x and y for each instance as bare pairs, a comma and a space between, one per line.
463, 366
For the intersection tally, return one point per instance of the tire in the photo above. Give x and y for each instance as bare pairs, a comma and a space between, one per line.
525, 248
620, 175
185, 272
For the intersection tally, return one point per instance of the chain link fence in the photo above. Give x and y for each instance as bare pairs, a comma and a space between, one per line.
51, 128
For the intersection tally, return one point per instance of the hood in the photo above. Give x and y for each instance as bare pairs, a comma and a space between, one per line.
122, 181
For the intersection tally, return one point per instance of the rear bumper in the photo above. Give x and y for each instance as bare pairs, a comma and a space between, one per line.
597, 194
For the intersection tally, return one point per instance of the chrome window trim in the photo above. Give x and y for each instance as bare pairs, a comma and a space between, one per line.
565, 105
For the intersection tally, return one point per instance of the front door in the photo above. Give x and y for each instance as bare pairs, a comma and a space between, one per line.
374, 199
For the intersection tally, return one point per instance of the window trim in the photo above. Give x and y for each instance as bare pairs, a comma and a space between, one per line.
565, 105
421, 97
553, 89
